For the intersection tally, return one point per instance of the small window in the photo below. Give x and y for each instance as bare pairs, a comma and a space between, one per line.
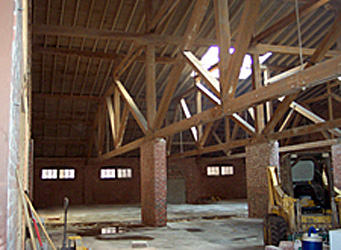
213, 171
124, 173
107, 173
49, 174
227, 170
67, 173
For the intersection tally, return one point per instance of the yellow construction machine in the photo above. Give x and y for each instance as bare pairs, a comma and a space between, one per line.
304, 196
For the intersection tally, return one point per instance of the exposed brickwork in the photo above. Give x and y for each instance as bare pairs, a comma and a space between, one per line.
258, 157
336, 161
154, 183
200, 187
87, 188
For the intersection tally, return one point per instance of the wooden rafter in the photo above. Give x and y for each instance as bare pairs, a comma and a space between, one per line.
190, 35
222, 24
163, 13
289, 19
245, 31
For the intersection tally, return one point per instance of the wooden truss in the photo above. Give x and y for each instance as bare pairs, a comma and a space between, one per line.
282, 88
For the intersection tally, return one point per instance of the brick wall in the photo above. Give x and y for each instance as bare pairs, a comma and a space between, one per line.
87, 188
200, 187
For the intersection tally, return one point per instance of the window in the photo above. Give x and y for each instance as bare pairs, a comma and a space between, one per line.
213, 171
220, 170
49, 174
115, 173
67, 173
107, 173
227, 170
124, 173
56, 173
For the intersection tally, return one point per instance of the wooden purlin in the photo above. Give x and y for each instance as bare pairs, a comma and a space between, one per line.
140, 38
96, 54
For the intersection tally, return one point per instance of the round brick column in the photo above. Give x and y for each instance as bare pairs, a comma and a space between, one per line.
336, 163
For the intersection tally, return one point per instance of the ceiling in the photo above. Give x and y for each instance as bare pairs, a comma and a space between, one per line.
79, 49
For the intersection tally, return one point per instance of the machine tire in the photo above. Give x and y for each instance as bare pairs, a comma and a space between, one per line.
274, 229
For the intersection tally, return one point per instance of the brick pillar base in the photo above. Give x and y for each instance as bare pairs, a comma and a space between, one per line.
154, 183
258, 157
336, 161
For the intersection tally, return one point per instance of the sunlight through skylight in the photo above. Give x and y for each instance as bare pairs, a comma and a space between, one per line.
211, 57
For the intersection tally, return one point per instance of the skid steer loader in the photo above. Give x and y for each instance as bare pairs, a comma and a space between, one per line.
304, 197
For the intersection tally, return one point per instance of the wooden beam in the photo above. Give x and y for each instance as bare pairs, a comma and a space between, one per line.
308, 145
67, 97
207, 131
312, 116
188, 115
198, 14
222, 24
211, 81
111, 118
60, 121
285, 74
137, 114
127, 61
243, 38
235, 117
199, 105
96, 54
289, 19
122, 127
313, 76
163, 13
310, 77
309, 129
327, 42
117, 109
256, 84
279, 113
262, 48
150, 85
140, 38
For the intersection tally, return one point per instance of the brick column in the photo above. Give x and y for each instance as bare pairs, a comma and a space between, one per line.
336, 164
154, 183
258, 157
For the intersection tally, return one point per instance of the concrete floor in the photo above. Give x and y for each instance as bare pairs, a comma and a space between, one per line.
222, 225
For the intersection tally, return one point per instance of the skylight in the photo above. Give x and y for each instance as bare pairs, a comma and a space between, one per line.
211, 57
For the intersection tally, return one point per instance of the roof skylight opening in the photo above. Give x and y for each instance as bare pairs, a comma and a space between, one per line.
211, 57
